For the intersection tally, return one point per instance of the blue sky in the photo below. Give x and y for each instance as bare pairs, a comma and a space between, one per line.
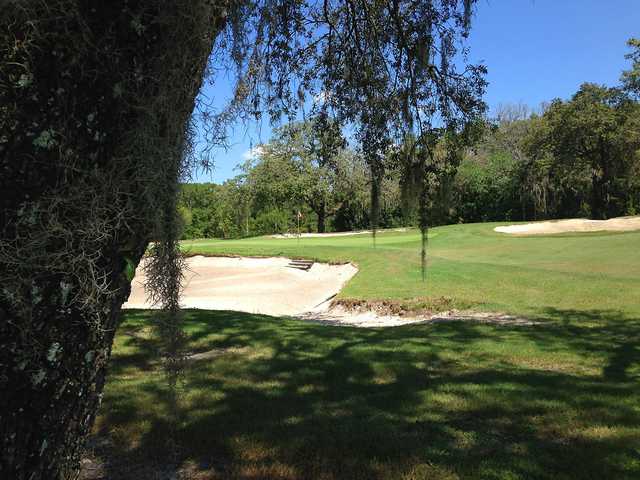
535, 50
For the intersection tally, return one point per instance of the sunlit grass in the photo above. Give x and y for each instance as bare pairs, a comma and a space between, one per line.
473, 265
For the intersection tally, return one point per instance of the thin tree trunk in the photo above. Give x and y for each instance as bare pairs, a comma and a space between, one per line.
375, 202
598, 207
600, 184
322, 215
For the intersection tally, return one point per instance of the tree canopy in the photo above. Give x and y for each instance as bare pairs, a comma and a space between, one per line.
523, 164
631, 77
95, 104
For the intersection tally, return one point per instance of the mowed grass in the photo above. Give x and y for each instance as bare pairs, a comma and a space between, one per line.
280, 398
474, 267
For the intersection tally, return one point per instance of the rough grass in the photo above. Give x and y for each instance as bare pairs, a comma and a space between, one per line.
284, 399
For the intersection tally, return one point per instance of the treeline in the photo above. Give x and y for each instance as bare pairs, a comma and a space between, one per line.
573, 158
280, 194
578, 158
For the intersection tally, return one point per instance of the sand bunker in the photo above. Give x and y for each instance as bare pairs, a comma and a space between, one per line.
620, 224
270, 286
333, 234
319, 235
254, 285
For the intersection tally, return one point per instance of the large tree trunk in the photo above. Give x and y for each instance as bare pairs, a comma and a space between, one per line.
95, 98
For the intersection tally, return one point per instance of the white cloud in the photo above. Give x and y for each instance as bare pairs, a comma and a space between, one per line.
253, 153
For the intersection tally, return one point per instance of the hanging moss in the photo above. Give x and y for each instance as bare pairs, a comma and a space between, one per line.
95, 102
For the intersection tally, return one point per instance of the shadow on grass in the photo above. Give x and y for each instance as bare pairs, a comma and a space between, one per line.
454, 400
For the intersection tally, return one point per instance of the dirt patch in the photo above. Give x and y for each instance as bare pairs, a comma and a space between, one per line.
620, 224
339, 316
401, 308
389, 313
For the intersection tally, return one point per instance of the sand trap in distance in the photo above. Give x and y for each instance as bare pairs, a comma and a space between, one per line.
619, 224
270, 286
334, 234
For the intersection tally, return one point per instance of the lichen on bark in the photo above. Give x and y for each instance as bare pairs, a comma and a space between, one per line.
95, 102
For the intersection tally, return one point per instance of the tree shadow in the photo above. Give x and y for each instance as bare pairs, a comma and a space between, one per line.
452, 400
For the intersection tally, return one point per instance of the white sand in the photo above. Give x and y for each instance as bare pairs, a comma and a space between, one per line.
269, 286
319, 235
620, 224
333, 234
255, 285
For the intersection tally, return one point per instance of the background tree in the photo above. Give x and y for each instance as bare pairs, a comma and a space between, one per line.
276, 179
352, 192
385, 66
595, 132
320, 165
513, 171
296, 167
631, 77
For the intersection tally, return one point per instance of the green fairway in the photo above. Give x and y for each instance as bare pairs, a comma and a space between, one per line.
474, 266
279, 398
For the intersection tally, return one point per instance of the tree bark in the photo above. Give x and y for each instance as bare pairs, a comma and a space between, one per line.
49, 403
84, 84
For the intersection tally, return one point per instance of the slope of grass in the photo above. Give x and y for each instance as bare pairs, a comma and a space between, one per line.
279, 398
475, 266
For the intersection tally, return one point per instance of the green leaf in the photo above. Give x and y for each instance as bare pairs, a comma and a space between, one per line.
129, 269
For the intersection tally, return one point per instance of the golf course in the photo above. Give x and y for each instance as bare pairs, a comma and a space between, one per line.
319, 240
283, 398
